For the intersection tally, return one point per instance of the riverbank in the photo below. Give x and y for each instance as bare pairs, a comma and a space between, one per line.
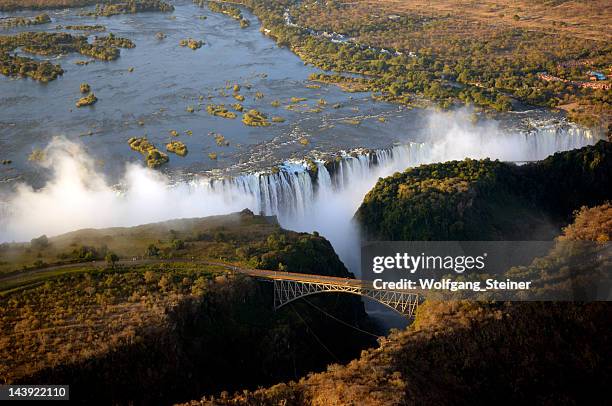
401, 48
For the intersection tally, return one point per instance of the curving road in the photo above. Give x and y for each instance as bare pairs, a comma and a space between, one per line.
12, 278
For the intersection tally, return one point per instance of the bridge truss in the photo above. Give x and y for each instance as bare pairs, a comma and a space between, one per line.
286, 291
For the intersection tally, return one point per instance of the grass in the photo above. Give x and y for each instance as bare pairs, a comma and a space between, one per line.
28, 280
582, 19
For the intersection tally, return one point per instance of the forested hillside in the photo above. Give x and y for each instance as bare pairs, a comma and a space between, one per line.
466, 353
146, 323
487, 200
471, 352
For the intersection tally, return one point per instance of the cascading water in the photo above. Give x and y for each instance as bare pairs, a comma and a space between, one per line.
325, 199
306, 196
291, 192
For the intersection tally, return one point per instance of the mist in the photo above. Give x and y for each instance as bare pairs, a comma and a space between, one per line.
78, 195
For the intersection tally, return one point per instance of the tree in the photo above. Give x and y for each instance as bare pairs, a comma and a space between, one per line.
40, 242
111, 258
152, 250
178, 244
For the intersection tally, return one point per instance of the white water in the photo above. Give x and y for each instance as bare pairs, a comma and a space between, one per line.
328, 202
78, 196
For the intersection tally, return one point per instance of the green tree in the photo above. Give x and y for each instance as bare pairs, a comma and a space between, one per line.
111, 258
40, 242
152, 250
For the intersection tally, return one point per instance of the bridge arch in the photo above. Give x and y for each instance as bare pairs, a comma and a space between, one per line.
287, 291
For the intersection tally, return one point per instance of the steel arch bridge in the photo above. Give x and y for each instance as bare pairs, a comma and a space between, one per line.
287, 291
291, 286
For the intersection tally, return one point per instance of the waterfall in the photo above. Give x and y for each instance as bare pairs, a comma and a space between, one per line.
292, 191
305, 195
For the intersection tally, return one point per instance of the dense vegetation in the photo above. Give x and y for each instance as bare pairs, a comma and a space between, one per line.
11, 5
19, 66
159, 332
460, 352
23, 21
251, 241
130, 7
487, 199
53, 44
153, 156
465, 353
111, 40
443, 57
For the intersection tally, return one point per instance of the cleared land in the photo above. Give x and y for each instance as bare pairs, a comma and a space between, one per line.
586, 19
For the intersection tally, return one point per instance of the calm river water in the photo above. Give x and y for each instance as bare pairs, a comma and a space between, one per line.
167, 79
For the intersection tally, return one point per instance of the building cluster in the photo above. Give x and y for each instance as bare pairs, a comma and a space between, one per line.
550, 78
593, 75
597, 80
575, 64
595, 85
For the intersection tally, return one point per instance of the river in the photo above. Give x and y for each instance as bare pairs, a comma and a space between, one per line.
93, 179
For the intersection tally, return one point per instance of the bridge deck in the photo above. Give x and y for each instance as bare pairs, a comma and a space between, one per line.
300, 277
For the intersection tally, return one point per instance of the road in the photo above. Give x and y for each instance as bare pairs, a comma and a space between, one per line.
13, 278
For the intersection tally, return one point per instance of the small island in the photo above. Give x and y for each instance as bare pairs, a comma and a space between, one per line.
113, 41
97, 27
53, 44
23, 21
177, 147
154, 157
88, 100
255, 118
191, 43
129, 7
220, 110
